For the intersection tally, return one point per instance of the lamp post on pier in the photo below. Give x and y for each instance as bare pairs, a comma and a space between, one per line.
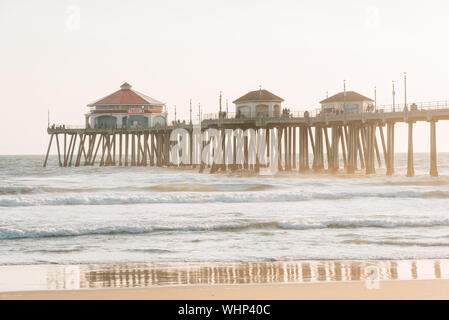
220, 102
405, 91
394, 93
190, 111
375, 98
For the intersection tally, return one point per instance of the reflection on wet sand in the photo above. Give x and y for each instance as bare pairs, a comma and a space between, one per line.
148, 275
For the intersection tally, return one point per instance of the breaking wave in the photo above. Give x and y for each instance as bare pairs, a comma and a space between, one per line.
151, 250
398, 243
17, 233
185, 187
253, 194
429, 182
189, 187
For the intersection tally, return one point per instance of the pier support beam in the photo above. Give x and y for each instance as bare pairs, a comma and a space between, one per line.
384, 148
80, 150
167, 149
279, 131
410, 165
73, 149
126, 149
294, 148
245, 152
92, 162
376, 146
352, 148
290, 146
152, 147
59, 152
344, 142
65, 150
120, 163
433, 150
139, 150
133, 150
48, 150
328, 149
303, 149
318, 157
334, 165
369, 150
359, 147
390, 148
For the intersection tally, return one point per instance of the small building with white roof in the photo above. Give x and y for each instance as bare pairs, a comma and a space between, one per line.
259, 103
349, 102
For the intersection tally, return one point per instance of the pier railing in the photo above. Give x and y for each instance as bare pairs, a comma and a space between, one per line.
254, 116
414, 106
287, 114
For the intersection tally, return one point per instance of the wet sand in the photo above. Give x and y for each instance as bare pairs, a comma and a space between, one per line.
409, 279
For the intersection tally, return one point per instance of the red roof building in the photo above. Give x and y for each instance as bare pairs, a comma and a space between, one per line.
126, 108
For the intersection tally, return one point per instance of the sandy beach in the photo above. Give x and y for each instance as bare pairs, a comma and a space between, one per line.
402, 290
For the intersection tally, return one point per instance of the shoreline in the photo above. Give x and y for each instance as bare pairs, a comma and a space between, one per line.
324, 279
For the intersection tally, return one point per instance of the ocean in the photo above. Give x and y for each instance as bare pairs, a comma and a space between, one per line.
114, 215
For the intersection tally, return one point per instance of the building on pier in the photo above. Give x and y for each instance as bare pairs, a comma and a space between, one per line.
351, 102
259, 103
126, 108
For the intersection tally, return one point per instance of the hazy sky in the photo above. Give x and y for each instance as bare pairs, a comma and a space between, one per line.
177, 50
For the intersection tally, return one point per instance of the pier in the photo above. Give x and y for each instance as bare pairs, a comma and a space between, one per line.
363, 141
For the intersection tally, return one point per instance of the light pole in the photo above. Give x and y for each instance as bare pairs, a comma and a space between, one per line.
394, 93
175, 113
405, 91
190, 111
220, 102
375, 98
227, 108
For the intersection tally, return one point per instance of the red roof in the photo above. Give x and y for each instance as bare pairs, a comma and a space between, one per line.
127, 96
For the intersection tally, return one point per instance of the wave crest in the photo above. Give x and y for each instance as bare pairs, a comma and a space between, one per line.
16, 233
397, 243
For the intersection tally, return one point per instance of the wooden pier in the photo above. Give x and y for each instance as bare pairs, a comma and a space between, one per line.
359, 139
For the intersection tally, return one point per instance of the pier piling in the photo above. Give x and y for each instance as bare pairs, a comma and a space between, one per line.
433, 150
410, 165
